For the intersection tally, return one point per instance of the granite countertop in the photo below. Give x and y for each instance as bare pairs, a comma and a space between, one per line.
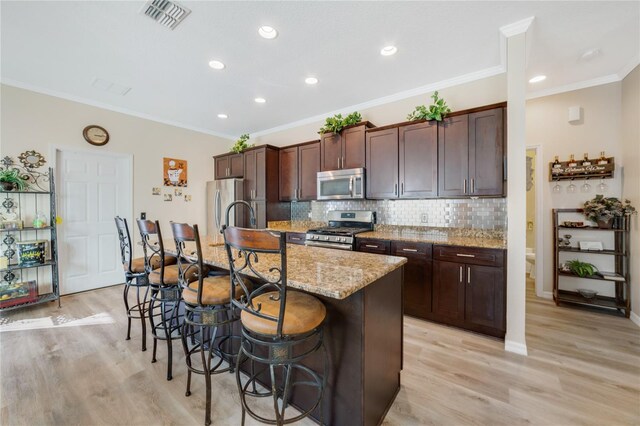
294, 225
447, 236
327, 272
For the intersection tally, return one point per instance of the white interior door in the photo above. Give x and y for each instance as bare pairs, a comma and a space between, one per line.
92, 190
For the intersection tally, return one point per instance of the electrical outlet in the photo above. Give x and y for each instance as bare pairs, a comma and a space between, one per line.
143, 215
424, 218
309, 215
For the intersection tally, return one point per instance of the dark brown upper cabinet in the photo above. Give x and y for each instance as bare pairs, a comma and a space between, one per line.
228, 166
261, 175
471, 154
299, 166
402, 162
344, 150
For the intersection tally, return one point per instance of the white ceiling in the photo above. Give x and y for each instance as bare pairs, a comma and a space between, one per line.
61, 47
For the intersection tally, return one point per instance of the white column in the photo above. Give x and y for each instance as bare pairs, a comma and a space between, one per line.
516, 185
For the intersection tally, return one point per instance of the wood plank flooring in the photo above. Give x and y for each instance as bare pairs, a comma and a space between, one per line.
583, 368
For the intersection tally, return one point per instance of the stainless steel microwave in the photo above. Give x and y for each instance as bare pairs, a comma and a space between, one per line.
345, 184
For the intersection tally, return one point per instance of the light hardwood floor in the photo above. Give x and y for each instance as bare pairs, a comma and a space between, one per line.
582, 368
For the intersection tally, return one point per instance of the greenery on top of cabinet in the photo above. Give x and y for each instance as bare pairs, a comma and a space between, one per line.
241, 144
336, 123
436, 111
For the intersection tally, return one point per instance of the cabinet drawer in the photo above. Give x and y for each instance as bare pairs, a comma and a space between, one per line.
469, 255
295, 237
411, 249
373, 246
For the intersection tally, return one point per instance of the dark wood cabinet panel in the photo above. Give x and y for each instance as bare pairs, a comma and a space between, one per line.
261, 185
295, 238
417, 277
485, 301
330, 151
382, 164
353, 147
220, 166
236, 165
486, 153
370, 245
260, 190
250, 174
448, 292
228, 166
288, 173
308, 168
469, 255
418, 160
453, 156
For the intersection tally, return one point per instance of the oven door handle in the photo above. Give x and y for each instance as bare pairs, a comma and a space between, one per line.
328, 245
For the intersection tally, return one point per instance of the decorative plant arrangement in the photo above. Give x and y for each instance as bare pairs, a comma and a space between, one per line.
436, 111
11, 179
601, 210
336, 123
581, 269
241, 144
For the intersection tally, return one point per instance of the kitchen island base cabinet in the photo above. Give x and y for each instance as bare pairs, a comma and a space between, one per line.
417, 277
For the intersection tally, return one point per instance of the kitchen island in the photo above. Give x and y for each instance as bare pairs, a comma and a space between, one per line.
363, 329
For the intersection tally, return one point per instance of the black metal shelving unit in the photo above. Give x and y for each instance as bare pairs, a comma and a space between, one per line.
26, 205
621, 302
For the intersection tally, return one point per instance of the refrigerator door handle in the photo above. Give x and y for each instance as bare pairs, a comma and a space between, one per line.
218, 209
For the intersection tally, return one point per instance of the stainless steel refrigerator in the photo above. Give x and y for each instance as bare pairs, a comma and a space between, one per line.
221, 193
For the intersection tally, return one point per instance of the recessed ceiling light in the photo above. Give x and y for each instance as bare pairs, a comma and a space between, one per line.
591, 54
311, 80
267, 32
260, 100
538, 79
388, 50
216, 65
223, 116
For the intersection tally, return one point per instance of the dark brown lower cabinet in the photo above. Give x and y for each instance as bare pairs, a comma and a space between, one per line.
296, 237
417, 277
448, 292
369, 245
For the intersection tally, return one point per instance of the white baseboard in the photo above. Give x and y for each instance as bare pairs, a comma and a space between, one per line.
547, 295
635, 318
515, 347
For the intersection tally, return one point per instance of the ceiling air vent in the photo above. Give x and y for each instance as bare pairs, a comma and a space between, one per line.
165, 12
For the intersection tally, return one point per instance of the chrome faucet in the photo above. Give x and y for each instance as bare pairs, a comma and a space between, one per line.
252, 214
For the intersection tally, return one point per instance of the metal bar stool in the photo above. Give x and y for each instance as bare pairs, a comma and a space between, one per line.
280, 327
207, 328
135, 275
164, 306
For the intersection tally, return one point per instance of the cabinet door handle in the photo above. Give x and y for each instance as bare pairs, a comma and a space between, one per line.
461, 274
371, 246
295, 238
465, 255
473, 185
402, 188
464, 186
410, 250
395, 189
468, 275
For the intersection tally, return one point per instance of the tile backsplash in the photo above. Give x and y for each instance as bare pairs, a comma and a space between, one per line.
482, 213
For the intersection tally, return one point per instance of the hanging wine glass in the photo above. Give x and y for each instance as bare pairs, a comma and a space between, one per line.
585, 188
602, 187
571, 189
557, 188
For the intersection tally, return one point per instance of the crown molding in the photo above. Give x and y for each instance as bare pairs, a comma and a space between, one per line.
631, 65
443, 84
108, 107
517, 27
611, 78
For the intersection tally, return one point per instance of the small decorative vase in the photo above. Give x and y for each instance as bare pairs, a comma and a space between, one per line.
7, 186
605, 224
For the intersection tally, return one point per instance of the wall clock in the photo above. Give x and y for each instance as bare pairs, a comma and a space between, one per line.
96, 135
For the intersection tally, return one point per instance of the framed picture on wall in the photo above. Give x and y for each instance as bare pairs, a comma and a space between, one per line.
175, 172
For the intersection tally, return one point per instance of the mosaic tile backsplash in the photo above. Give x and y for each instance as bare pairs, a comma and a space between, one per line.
482, 213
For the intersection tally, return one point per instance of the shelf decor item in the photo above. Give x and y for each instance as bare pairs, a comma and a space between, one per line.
241, 144
581, 269
12, 294
11, 179
436, 111
604, 210
585, 169
31, 253
336, 123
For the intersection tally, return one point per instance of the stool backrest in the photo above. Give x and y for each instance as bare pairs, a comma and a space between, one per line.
126, 251
249, 243
189, 257
153, 249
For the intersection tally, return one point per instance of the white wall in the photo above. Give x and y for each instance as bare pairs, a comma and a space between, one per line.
35, 121
469, 95
599, 130
631, 177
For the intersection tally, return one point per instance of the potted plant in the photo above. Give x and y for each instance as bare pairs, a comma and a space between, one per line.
436, 111
241, 144
336, 123
581, 269
10, 179
603, 210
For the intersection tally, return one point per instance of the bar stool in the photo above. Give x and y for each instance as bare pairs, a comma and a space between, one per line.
164, 306
208, 314
280, 327
135, 275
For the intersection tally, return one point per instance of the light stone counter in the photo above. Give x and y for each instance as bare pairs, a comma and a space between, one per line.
436, 238
332, 273
294, 225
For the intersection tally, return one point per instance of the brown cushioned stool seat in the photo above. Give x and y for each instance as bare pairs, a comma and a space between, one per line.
215, 291
302, 314
171, 275
137, 264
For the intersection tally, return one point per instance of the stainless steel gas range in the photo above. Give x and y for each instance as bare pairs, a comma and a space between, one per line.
341, 230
